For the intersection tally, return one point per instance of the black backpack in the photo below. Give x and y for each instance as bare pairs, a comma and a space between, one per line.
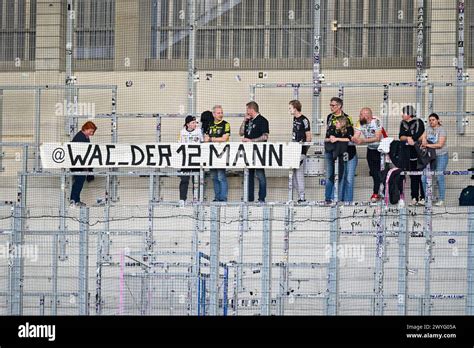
467, 196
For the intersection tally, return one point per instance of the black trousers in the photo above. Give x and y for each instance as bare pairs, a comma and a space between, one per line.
373, 159
416, 185
78, 184
184, 183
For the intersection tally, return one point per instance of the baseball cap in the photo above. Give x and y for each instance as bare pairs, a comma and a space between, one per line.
189, 118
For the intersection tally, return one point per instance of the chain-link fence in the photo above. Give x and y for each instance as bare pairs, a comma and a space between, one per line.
231, 260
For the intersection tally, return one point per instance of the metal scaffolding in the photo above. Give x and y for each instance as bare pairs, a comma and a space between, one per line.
200, 280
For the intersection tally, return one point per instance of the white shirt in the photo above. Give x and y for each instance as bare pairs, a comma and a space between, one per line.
369, 130
194, 136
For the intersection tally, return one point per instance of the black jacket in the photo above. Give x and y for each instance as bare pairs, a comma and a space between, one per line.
415, 129
425, 156
80, 138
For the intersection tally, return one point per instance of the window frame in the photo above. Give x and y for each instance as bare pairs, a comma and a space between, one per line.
23, 30
106, 62
274, 57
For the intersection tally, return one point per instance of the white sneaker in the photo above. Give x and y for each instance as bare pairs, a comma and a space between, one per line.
181, 203
440, 203
421, 201
401, 204
413, 202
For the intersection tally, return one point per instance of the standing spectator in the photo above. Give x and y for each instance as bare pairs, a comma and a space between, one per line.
301, 133
83, 136
189, 134
370, 128
337, 141
206, 119
336, 105
435, 137
218, 132
255, 128
411, 130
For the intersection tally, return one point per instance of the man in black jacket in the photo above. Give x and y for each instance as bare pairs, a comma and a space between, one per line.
255, 128
411, 130
88, 129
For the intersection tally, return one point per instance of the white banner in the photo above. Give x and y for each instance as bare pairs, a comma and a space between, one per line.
171, 155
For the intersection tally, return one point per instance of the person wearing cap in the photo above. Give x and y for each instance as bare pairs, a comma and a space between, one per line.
189, 134
411, 131
218, 132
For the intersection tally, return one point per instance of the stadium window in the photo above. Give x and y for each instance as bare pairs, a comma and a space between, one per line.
169, 35
279, 33
17, 34
374, 33
94, 33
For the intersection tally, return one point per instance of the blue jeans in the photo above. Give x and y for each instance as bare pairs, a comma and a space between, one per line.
330, 165
346, 189
220, 184
441, 165
77, 186
262, 185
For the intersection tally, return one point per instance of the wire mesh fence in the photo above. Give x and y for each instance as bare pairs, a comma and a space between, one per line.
137, 68
278, 260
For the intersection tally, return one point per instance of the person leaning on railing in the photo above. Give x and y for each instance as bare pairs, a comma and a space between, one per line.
218, 132
411, 130
435, 137
83, 136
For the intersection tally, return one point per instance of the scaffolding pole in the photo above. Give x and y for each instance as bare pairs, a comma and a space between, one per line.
192, 57
420, 64
113, 192
428, 233
380, 246
62, 220
195, 269
16, 262
71, 94
385, 102
316, 102
402, 262
37, 166
289, 214
333, 274
214, 260
83, 261
460, 95
266, 261
470, 262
